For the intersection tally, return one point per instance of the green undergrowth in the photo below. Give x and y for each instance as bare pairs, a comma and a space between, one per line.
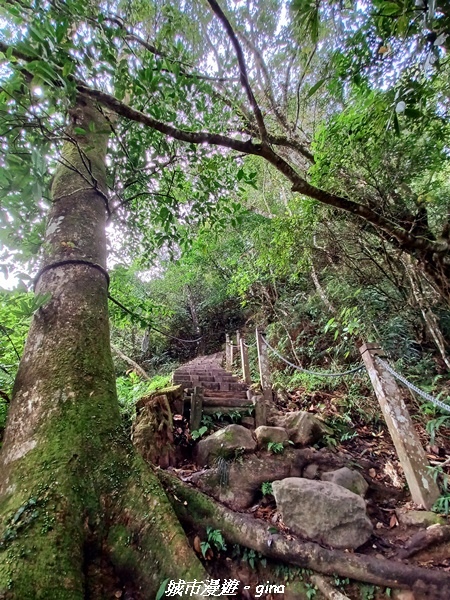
130, 388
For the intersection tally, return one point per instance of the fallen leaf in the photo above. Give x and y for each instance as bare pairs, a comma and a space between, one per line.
393, 522
197, 546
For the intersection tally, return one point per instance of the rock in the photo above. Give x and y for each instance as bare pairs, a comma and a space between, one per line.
239, 487
351, 480
322, 511
311, 471
403, 595
224, 443
303, 428
248, 422
265, 434
418, 518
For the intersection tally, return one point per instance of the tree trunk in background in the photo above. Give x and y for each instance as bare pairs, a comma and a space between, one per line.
321, 291
72, 491
430, 319
194, 316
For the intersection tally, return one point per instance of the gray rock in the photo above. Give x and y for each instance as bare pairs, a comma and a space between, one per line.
239, 485
351, 480
265, 434
324, 512
224, 443
418, 518
311, 471
303, 428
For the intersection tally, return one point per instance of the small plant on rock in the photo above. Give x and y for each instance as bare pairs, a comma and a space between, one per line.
275, 447
266, 488
198, 433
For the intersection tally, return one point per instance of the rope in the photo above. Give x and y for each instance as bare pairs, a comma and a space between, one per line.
130, 312
71, 261
349, 372
411, 386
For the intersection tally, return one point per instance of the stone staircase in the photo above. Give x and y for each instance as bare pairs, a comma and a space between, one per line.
211, 388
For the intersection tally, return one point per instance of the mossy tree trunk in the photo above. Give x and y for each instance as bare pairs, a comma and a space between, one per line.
71, 487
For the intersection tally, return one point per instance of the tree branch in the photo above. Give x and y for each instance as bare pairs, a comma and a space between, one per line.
242, 67
139, 370
405, 240
268, 90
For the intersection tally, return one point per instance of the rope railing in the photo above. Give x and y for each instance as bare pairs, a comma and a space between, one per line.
149, 325
411, 386
315, 373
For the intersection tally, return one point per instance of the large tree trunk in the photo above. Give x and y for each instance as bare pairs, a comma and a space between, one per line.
71, 487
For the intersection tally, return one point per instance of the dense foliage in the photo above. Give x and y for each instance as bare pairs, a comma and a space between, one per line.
216, 118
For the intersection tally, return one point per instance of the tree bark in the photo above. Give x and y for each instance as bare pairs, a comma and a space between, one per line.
69, 480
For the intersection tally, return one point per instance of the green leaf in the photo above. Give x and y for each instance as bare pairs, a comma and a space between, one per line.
162, 589
390, 8
79, 131
315, 87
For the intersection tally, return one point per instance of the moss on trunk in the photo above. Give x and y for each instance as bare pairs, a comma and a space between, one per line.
68, 477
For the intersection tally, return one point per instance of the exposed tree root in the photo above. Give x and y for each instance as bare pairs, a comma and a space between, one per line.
327, 589
436, 534
145, 540
198, 510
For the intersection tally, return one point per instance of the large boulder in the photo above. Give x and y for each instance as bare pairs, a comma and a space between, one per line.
265, 434
303, 428
323, 512
238, 483
223, 444
351, 480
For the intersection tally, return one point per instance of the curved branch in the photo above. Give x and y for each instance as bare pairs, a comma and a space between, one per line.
242, 67
406, 240
268, 90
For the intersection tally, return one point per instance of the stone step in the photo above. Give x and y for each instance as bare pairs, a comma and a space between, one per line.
210, 410
220, 393
207, 401
211, 385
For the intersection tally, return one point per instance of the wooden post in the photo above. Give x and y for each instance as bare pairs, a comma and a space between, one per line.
196, 408
231, 354
424, 490
245, 364
238, 344
263, 361
227, 352
260, 411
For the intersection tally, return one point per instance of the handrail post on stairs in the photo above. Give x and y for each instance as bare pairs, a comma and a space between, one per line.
231, 354
238, 345
244, 361
264, 370
411, 454
227, 352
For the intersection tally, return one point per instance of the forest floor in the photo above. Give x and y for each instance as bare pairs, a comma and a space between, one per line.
360, 439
